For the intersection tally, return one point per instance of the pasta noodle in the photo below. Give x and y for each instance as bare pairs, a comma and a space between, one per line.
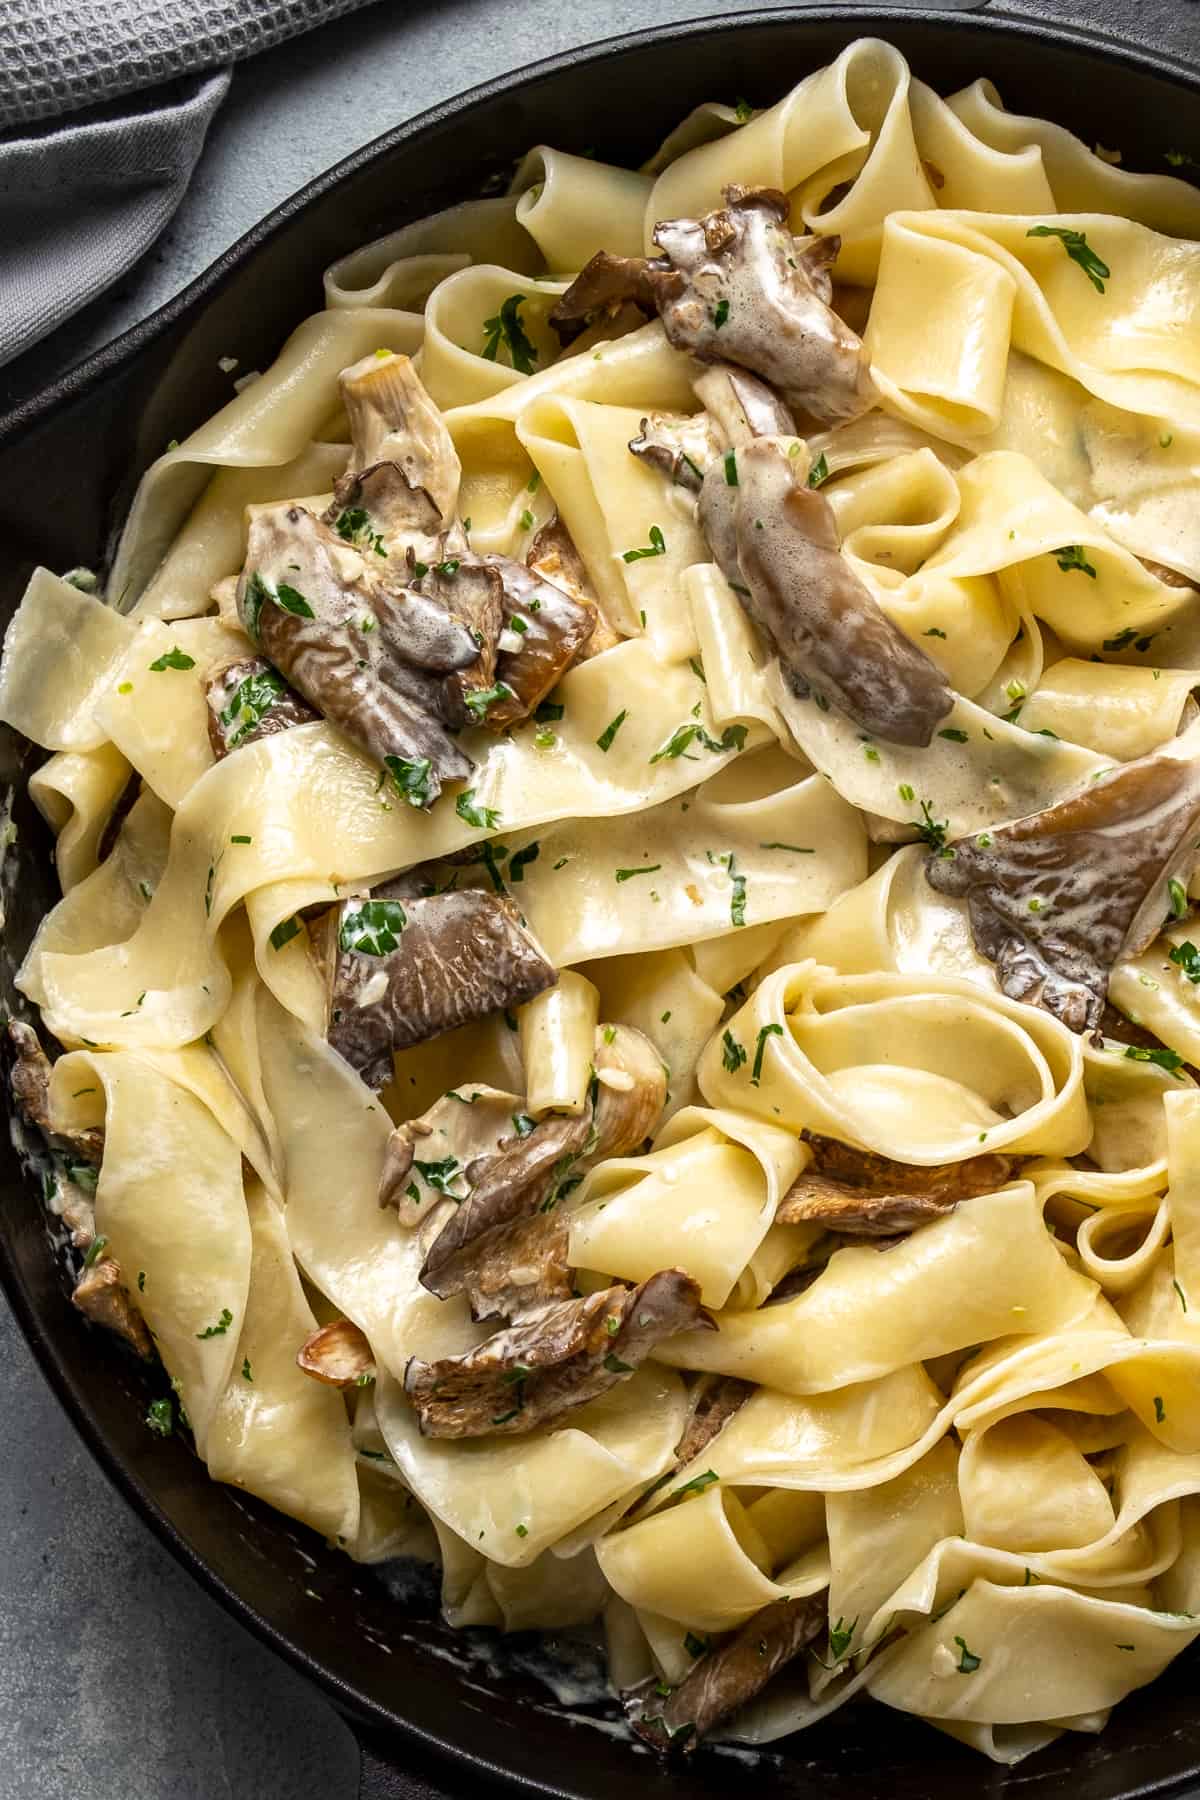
628, 1009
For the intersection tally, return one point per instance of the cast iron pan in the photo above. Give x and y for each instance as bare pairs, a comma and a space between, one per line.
69, 460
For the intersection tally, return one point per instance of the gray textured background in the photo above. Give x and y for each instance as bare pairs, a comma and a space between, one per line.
119, 1679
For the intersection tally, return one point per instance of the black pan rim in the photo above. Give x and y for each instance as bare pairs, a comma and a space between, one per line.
81, 379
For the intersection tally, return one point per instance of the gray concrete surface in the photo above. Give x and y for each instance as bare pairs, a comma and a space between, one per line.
119, 1679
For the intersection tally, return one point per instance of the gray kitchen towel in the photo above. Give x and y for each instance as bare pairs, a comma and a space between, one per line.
104, 106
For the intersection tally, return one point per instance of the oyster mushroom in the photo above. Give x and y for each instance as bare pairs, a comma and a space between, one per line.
682, 446
555, 1359
630, 1091
735, 286
552, 555
29, 1079
248, 700
465, 586
102, 1297
1056, 899
545, 629
372, 660
776, 541
865, 1195
741, 405
393, 420
712, 1402
522, 1176
726, 1678
398, 973
337, 1354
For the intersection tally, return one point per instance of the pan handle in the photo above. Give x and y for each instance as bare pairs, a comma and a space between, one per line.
1165, 25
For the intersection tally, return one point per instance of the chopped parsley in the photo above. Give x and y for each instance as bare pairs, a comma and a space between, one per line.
721, 314
1177, 894
697, 1484
930, 831
292, 601
658, 547
695, 1646
615, 1366
175, 658
526, 520
732, 738
220, 1328
439, 1175
284, 932
743, 111
819, 472
628, 874
1159, 1410
731, 474
1071, 557
354, 524
1182, 1297
1170, 1060
448, 568
521, 861
1078, 249
1122, 640
141, 1281
548, 712
605, 740
480, 699
766, 1032
523, 1124
968, 1662
372, 927
934, 631
522, 1530
483, 818
96, 1250
797, 849
241, 838
839, 1639
505, 328
246, 1374
411, 779
953, 735
160, 1417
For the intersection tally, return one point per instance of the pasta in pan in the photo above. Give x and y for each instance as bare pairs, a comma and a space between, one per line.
627, 819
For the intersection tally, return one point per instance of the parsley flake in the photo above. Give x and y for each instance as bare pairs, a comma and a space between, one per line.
1078, 249
220, 1328
284, 932
175, 658
372, 927
483, 818
1071, 557
505, 328
766, 1032
819, 473
605, 740
628, 874
658, 547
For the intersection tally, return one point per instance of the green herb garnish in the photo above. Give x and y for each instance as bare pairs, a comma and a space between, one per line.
604, 741
220, 1328
766, 1032
372, 927
1078, 249
174, 658
657, 547
506, 327
483, 818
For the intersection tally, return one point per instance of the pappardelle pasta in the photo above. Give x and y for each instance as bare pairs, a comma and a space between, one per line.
627, 818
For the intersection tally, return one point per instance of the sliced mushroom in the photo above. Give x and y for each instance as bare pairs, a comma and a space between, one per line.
377, 510
511, 1185
742, 406
864, 1195
735, 286
29, 1078
712, 1402
776, 541
1057, 898
606, 284
630, 1093
393, 420
682, 446
554, 1360
398, 1160
545, 629
515, 1269
248, 700
552, 554
101, 1297
337, 1354
1168, 577
440, 961
727, 1678
474, 593
370, 659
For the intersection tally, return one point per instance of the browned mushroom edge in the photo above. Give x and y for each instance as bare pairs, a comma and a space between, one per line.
337, 1354
393, 420
735, 286
248, 700
399, 972
776, 542
864, 1195
724, 1679
1057, 898
554, 1359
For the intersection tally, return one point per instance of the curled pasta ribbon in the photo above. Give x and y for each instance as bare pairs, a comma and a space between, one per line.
923, 1071
703, 1199
75, 792
400, 270
981, 1273
652, 1565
